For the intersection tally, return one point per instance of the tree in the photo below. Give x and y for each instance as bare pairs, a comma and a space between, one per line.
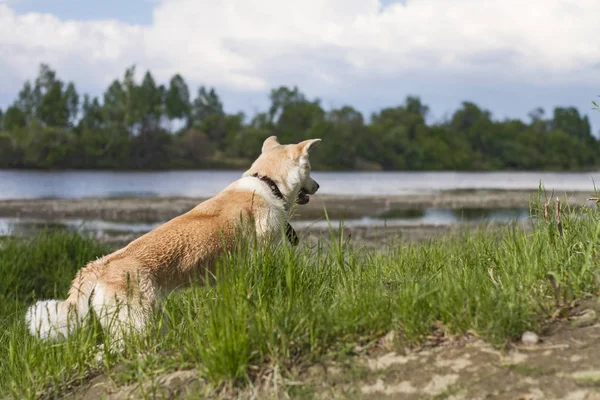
282, 97
114, 109
414, 106
191, 149
343, 133
292, 117
52, 106
248, 141
538, 123
469, 116
150, 142
148, 105
48, 147
206, 104
145, 124
71, 99
569, 121
177, 100
14, 118
92, 114
27, 101
10, 153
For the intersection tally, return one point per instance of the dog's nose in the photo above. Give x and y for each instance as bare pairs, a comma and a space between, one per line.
318, 186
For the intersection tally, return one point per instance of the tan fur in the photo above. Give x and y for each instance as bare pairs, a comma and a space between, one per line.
123, 286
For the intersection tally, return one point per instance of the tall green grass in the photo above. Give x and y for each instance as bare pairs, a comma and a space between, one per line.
286, 306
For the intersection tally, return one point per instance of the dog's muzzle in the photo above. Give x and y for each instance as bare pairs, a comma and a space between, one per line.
303, 197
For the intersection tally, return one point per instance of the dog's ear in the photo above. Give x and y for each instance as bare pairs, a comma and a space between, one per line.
307, 146
270, 143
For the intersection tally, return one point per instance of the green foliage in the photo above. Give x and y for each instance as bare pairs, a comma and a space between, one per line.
177, 100
9, 151
13, 119
284, 306
40, 267
145, 125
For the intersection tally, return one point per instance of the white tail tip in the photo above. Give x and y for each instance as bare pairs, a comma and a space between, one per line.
48, 319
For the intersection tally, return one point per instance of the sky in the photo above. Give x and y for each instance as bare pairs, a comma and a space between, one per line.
507, 56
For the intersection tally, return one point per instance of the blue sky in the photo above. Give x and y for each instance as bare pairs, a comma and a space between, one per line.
131, 11
505, 55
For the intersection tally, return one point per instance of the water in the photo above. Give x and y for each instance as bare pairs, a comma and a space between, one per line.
428, 216
82, 184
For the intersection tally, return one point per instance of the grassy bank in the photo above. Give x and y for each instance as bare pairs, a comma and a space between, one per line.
279, 309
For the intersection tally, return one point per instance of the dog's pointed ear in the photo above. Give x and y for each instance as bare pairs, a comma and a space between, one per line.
270, 143
307, 146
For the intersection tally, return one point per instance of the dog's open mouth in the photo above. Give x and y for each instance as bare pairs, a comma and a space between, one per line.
302, 197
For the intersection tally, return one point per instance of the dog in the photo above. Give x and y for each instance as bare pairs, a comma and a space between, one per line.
122, 288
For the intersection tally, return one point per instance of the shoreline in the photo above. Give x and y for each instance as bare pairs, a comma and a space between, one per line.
152, 210
363, 236
161, 209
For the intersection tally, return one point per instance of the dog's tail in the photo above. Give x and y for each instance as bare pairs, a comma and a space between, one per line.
51, 319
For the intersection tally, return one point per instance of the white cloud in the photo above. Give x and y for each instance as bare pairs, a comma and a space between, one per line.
253, 45
82, 51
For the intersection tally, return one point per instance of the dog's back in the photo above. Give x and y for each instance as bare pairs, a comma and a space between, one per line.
122, 287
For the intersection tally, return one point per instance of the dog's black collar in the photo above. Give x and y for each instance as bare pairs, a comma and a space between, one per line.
291, 234
272, 185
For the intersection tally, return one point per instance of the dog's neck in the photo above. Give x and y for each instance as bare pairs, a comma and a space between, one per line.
289, 230
273, 186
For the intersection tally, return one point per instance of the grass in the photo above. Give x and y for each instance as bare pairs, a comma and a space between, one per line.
283, 307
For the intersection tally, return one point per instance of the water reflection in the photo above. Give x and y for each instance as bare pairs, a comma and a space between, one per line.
442, 215
21, 226
477, 214
396, 213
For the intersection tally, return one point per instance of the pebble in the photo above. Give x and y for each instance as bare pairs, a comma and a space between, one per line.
530, 338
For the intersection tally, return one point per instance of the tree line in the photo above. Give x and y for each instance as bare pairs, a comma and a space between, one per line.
146, 125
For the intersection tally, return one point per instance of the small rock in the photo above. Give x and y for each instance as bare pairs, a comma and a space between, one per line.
530, 338
587, 318
388, 340
575, 358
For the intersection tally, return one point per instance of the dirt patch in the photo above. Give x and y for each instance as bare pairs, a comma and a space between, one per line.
175, 384
562, 365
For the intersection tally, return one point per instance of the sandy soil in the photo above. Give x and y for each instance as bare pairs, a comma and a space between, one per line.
561, 364
162, 209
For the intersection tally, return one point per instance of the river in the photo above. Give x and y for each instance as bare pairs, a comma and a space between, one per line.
101, 184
